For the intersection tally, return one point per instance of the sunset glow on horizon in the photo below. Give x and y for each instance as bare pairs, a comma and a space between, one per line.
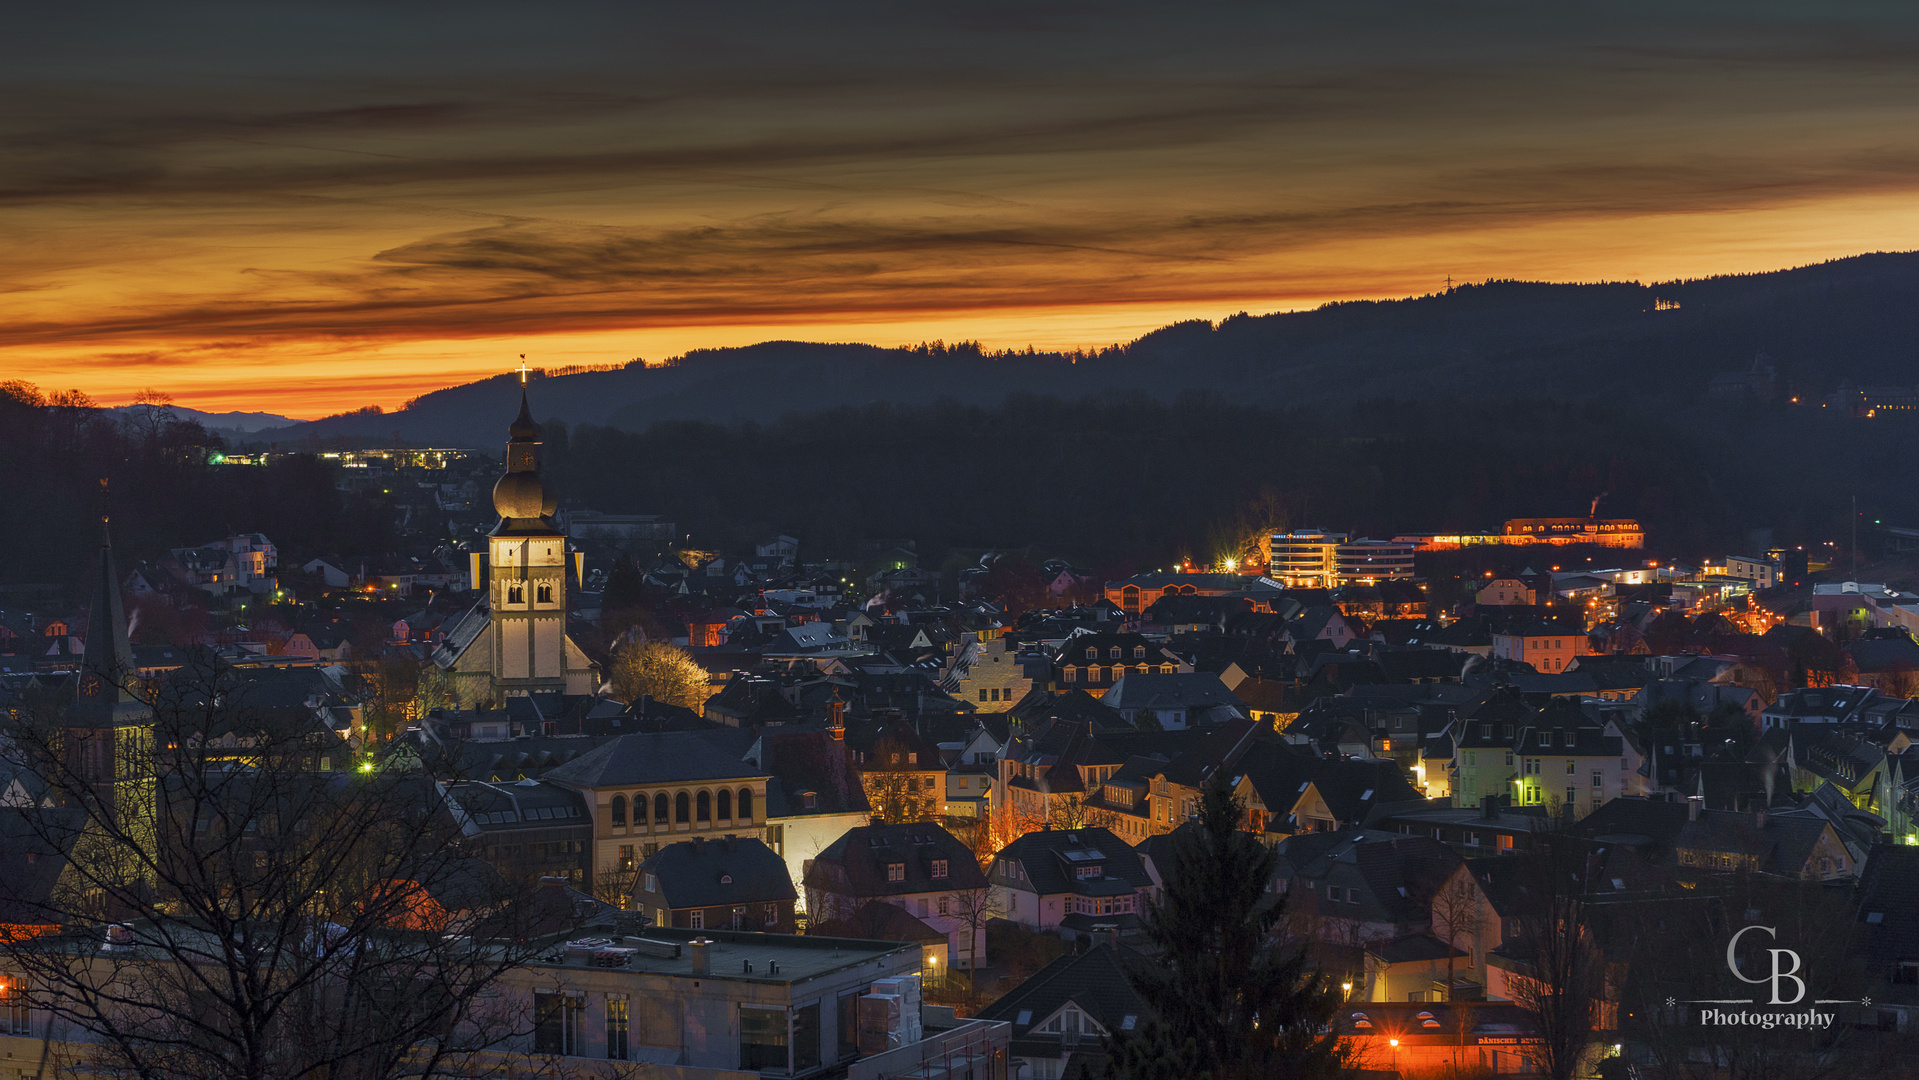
305, 213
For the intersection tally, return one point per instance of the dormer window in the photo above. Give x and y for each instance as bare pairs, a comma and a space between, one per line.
1114, 652
809, 800
1139, 652
939, 869
726, 879
1087, 873
896, 871
1092, 654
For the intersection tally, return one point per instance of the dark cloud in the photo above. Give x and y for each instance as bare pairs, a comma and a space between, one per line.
262, 174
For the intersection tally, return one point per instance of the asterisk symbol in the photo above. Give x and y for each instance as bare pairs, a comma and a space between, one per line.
1865, 1001
1670, 1002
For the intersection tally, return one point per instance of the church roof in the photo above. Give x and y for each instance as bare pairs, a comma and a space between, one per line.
107, 669
664, 757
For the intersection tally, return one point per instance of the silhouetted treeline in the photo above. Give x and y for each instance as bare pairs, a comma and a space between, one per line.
1126, 477
159, 490
1853, 319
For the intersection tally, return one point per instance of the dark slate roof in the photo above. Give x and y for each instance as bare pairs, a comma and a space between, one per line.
1886, 910
1414, 948
665, 757
809, 761
34, 844
526, 804
1095, 980
855, 864
1051, 856
1187, 690
877, 920
1279, 772
1353, 787
1629, 817
1782, 846
717, 873
1886, 653
1401, 873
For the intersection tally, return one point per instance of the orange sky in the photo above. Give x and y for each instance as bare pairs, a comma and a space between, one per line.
309, 212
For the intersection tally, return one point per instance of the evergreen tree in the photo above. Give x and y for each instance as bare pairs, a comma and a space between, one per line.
1151, 1054
623, 602
1223, 982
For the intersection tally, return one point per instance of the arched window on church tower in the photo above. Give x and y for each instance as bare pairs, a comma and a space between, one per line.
516, 594
724, 805
746, 804
543, 593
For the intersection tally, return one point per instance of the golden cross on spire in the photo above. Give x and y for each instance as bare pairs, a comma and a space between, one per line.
523, 369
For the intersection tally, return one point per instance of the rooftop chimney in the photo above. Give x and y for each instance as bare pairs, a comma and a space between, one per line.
702, 950
1693, 803
1489, 807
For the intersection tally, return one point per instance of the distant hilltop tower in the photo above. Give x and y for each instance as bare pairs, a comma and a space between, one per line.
513, 645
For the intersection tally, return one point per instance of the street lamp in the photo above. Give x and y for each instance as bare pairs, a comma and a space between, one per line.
1394, 1043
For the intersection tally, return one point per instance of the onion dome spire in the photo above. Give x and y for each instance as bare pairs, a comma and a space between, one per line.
519, 497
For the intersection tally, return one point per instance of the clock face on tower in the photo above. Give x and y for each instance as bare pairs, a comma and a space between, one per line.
91, 685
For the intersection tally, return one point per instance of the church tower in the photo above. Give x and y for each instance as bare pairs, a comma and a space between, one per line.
526, 576
108, 734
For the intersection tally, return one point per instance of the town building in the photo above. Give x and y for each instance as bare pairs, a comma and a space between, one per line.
1084, 880
729, 883
650, 789
921, 868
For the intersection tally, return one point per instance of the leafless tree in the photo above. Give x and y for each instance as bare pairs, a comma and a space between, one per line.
1458, 913
1561, 982
239, 913
973, 909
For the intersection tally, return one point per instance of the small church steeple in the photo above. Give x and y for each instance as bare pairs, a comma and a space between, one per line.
519, 496
104, 695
